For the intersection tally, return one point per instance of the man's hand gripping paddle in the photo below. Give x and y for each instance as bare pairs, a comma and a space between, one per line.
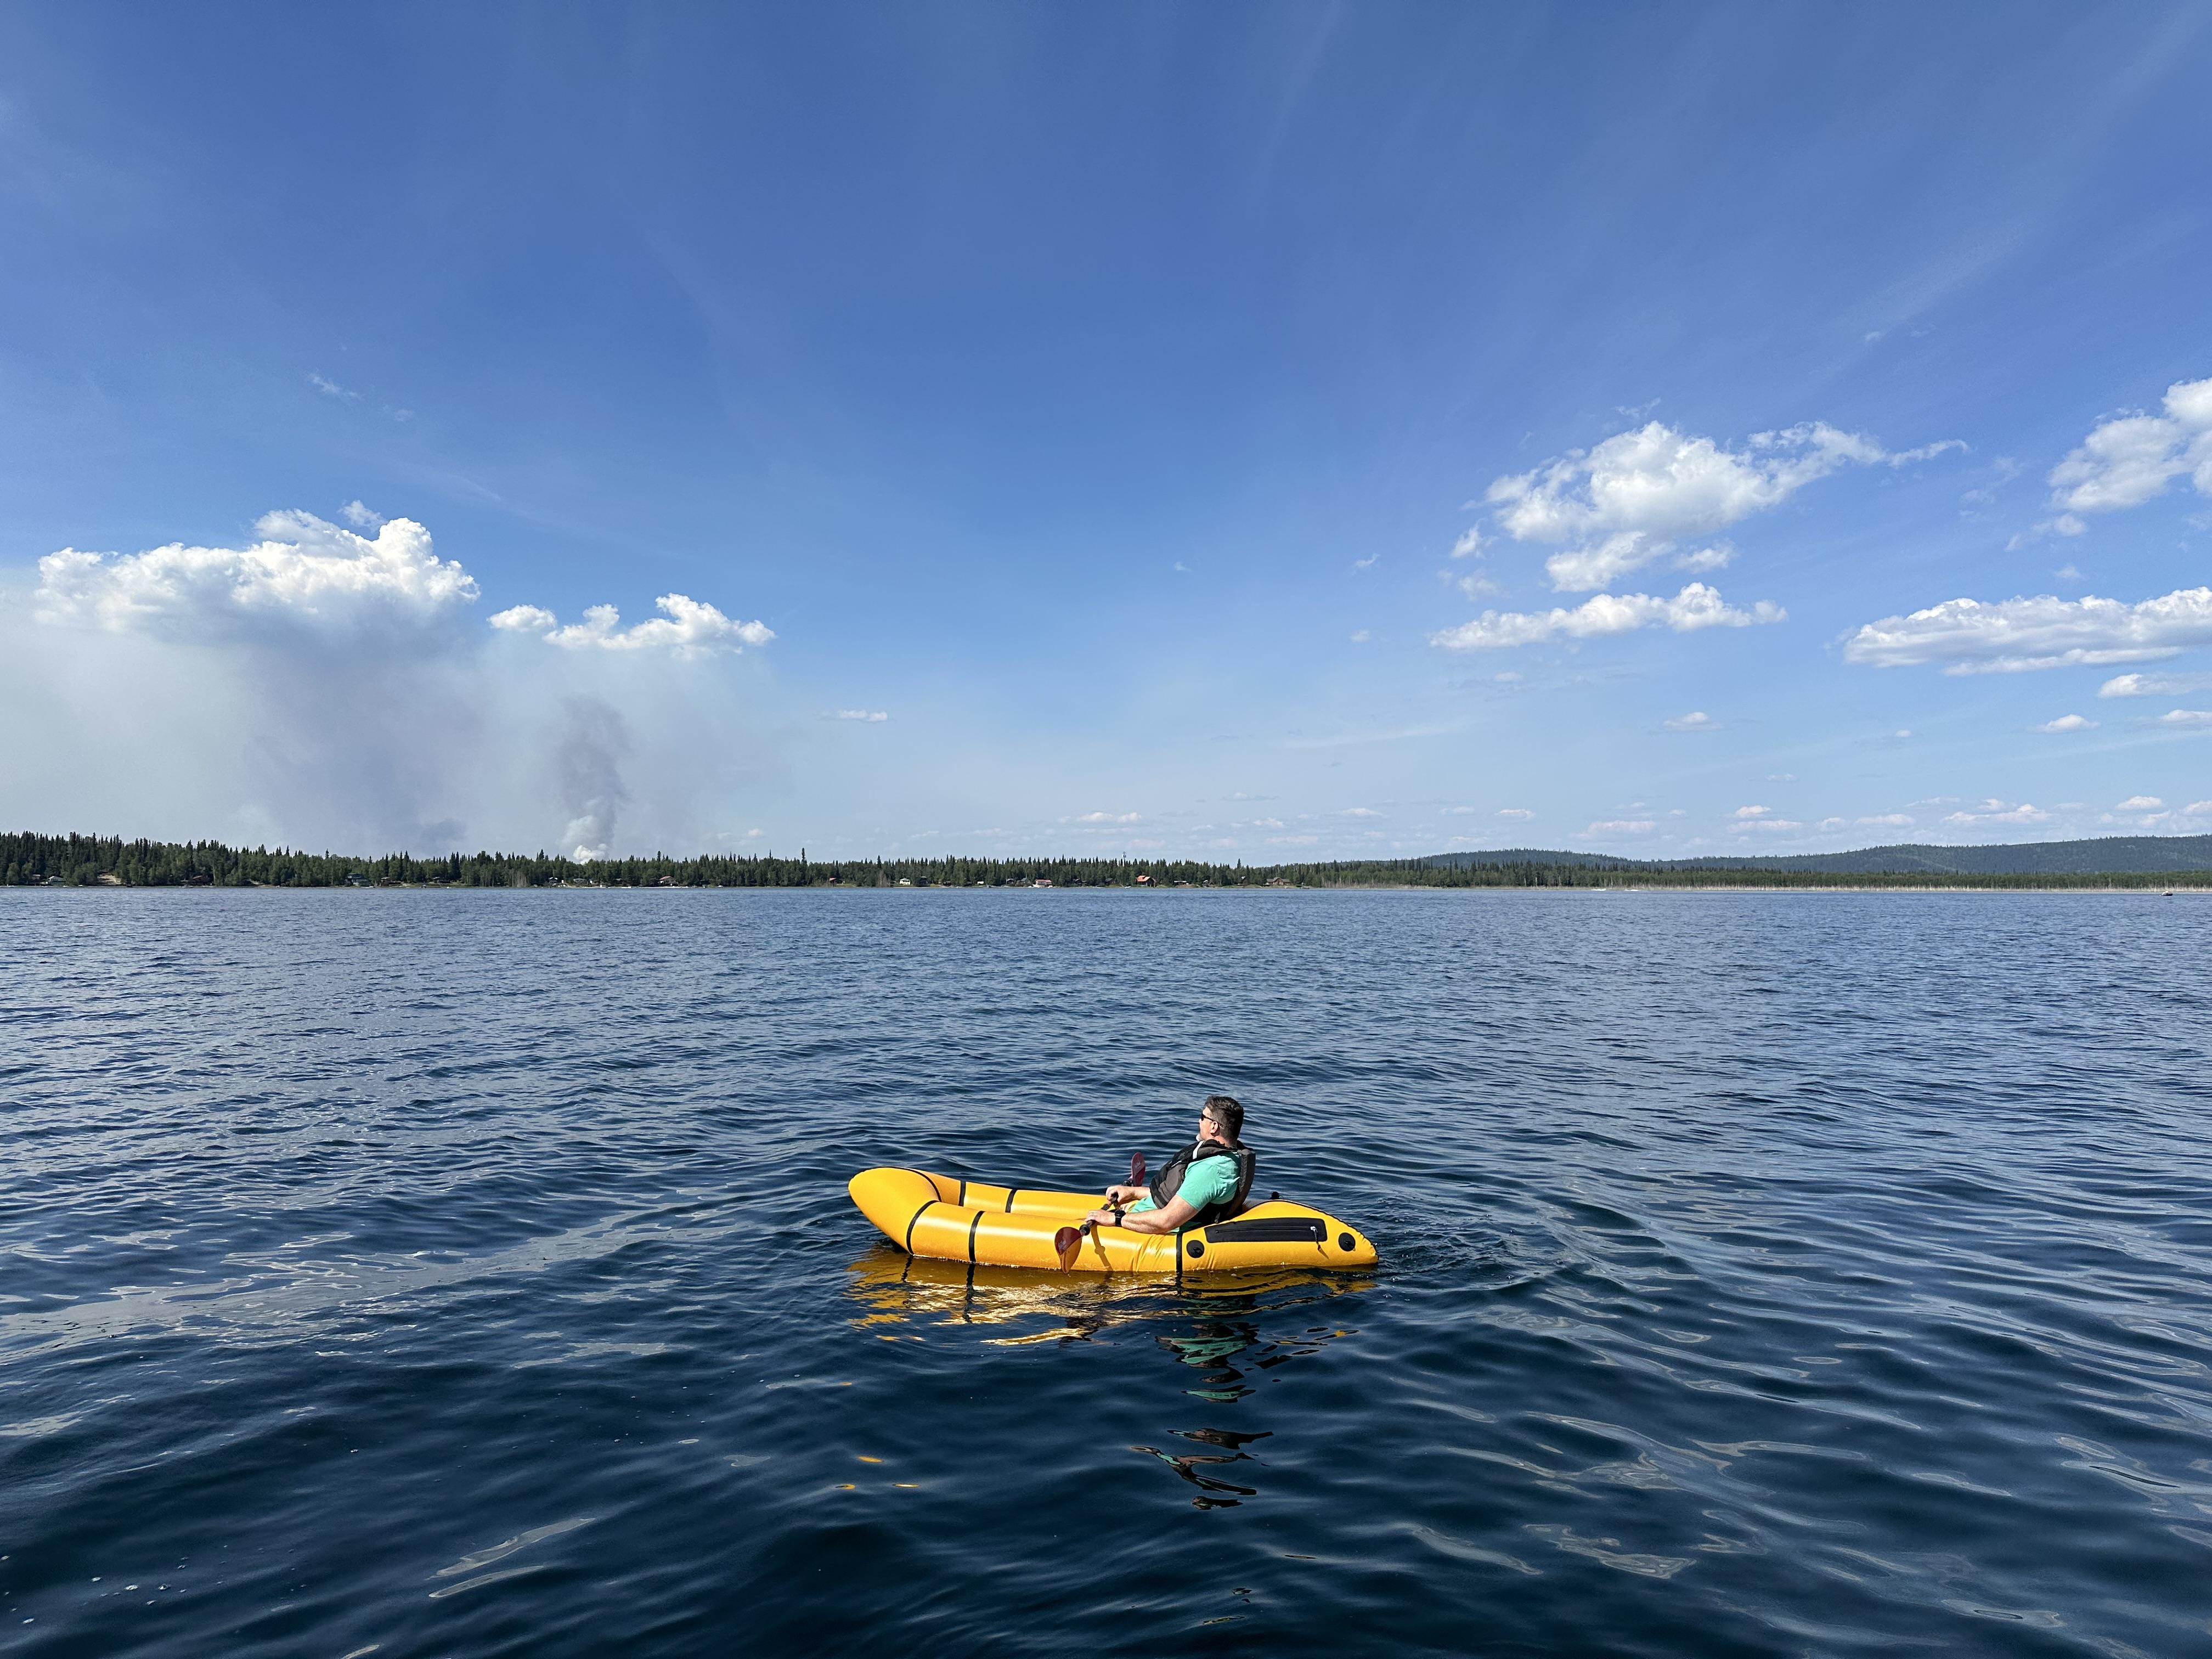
1068, 1241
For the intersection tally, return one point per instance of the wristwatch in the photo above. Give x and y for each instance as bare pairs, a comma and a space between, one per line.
1118, 1213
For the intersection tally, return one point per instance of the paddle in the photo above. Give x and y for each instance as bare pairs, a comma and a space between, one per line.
1068, 1241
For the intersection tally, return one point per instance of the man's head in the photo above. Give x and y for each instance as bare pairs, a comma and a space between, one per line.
1220, 1119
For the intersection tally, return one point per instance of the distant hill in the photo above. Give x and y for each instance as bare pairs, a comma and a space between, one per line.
2106, 854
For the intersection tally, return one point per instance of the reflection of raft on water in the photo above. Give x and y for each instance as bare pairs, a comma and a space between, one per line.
934, 1215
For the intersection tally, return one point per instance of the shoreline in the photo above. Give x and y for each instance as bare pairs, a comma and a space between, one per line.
2166, 890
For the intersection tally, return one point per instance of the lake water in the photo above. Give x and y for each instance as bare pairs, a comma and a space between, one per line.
472, 1274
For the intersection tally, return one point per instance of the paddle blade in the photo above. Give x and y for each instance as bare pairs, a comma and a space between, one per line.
1068, 1241
1137, 1170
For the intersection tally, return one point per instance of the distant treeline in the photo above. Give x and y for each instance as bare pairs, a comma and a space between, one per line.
94, 861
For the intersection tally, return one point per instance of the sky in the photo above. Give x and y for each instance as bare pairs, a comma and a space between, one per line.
1247, 431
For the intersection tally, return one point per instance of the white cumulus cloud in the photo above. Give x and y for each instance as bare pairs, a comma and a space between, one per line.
1626, 501
2131, 459
691, 628
1110, 817
1696, 721
1890, 820
303, 573
871, 716
319, 686
1695, 607
2139, 804
1621, 827
1753, 812
2186, 717
2067, 723
2010, 636
1515, 812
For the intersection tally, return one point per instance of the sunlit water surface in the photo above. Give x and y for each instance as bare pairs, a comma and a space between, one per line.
471, 1274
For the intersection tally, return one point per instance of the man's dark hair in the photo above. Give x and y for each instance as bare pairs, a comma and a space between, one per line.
1228, 1113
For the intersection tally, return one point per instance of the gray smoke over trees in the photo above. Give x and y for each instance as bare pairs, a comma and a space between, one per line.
588, 762
330, 688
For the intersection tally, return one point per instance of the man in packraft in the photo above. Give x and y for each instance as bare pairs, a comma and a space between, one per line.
1204, 1182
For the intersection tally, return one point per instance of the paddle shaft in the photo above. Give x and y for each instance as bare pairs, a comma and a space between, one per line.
1068, 1241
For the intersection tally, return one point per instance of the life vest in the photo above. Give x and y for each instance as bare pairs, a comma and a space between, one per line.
1169, 1182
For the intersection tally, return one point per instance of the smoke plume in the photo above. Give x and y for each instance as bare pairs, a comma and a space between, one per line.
589, 765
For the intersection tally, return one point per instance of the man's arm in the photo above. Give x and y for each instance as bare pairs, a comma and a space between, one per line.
1175, 1213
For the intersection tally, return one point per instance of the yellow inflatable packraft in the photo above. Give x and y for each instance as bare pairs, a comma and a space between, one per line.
935, 1215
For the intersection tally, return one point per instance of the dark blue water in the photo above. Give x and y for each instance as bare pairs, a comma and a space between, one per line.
471, 1274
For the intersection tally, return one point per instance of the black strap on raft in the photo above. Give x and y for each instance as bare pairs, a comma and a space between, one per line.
1169, 1182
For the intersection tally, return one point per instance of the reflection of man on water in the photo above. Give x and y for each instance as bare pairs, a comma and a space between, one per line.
1204, 1182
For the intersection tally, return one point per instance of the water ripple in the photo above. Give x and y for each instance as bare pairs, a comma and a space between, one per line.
420, 1274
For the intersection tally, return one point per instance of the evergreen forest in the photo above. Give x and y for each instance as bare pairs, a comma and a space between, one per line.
28, 859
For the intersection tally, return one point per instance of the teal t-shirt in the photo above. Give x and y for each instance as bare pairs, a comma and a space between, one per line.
1208, 1181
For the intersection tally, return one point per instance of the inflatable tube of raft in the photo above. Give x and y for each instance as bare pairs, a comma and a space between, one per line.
953, 1220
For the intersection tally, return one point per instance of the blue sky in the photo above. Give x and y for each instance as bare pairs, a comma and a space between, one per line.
1250, 431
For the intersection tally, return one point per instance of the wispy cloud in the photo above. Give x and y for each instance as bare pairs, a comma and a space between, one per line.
2067, 723
1997, 811
2154, 685
1695, 607
1760, 818
869, 716
1696, 721
331, 388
